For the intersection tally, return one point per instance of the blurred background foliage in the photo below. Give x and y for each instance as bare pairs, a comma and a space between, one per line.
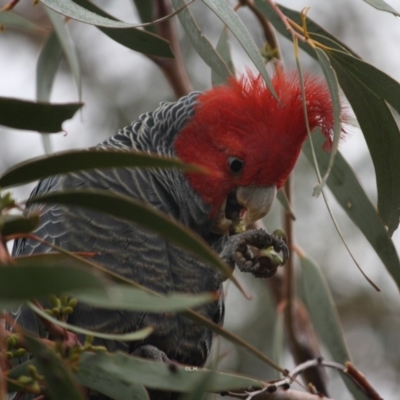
119, 84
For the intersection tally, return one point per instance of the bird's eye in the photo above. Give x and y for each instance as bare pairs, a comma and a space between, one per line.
235, 164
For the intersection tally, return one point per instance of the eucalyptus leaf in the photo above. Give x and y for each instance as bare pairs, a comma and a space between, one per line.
74, 10
11, 19
67, 46
135, 211
40, 276
13, 224
123, 297
325, 318
76, 160
230, 18
135, 39
383, 6
46, 68
333, 86
365, 87
223, 48
200, 42
124, 337
347, 190
42, 117
154, 375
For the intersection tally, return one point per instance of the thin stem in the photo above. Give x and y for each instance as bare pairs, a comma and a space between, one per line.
172, 68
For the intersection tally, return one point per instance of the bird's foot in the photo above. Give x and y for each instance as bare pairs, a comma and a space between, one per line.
237, 251
152, 353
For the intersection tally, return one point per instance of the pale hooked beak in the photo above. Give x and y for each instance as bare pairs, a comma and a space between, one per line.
244, 206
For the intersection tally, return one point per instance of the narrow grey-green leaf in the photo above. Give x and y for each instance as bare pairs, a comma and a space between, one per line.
224, 50
135, 211
200, 387
357, 78
383, 139
76, 160
112, 385
277, 339
195, 316
381, 84
383, 6
60, 383
42, 117
333, 86
154, 375
125, 337
282, 197
11, 19
228, 16
325, 318
132, 38
46, 67
323, 310
146, 12
200, 42
13, 224
40, 276
347, 190
67, 46
123, 297
75, 11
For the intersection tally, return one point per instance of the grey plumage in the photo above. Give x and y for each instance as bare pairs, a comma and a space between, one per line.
131, 251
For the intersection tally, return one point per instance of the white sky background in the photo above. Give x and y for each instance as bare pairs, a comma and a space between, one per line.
117, 75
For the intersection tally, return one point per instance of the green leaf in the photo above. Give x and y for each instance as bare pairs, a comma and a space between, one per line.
123, 297
126, 370
383, 139
111, 385
137, 212
70, 161
383, 6
347, 190
333, 86
200, 42
42, 117
277, 339
229, 17
11, 19
125, 337
60, 383
43, 275
364, 87
146, 12
325, 318
73, 10
200, 387
13, 224
132, 38
46, 68
381, 84
67, 46
195, 316
223, 48
282, 198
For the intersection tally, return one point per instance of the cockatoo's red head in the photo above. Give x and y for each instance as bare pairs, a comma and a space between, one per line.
249, 141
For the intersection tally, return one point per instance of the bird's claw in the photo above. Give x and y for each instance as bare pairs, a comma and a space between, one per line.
237, 252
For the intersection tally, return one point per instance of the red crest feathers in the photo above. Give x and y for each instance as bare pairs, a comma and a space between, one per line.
243, 119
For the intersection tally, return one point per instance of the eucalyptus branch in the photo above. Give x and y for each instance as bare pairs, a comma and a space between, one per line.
172, 68
269, 35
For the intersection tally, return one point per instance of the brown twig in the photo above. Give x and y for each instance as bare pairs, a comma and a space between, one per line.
269, 35
172, 68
